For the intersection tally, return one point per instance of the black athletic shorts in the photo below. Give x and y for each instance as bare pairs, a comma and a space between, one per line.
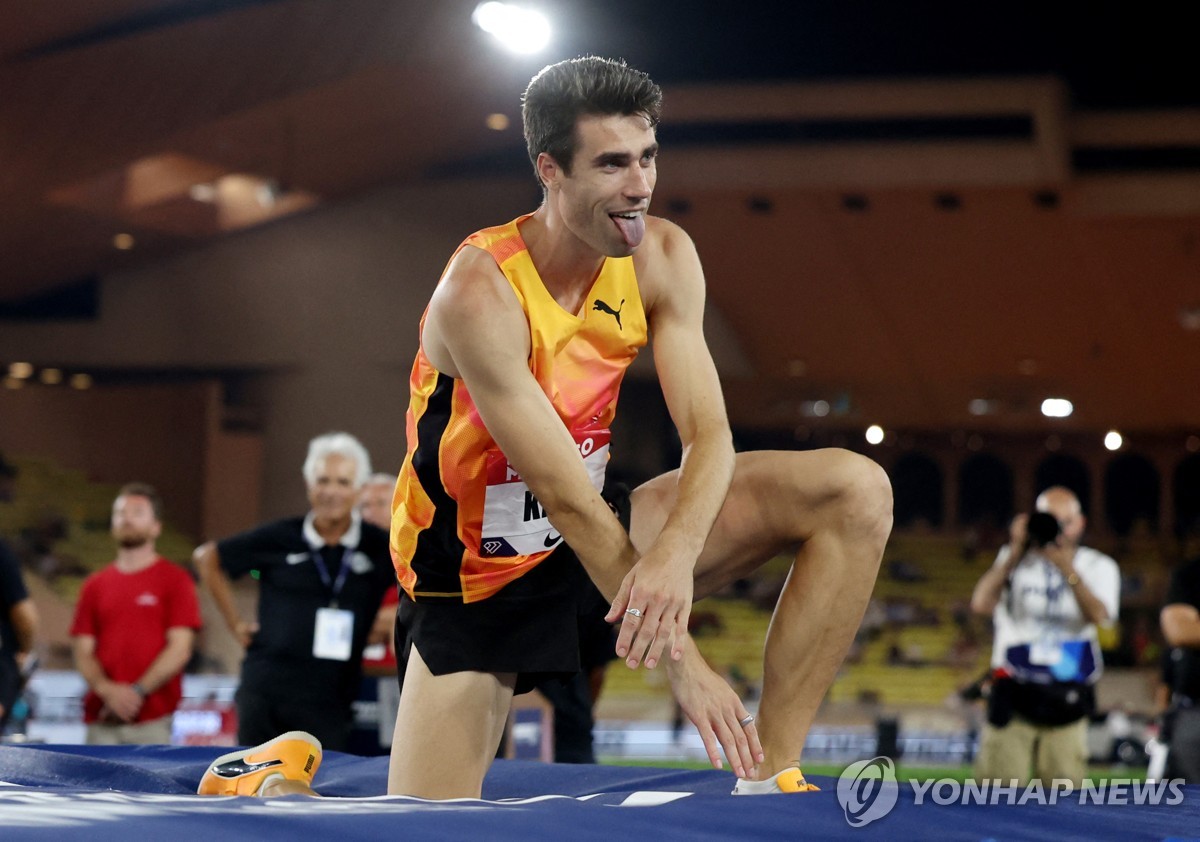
535, 626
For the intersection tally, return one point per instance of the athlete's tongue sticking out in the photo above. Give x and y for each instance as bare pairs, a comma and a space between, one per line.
632, 227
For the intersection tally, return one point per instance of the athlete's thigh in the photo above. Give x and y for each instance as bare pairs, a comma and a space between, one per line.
468, 695
447, 730
775, 501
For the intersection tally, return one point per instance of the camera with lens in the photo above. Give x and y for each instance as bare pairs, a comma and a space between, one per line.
1043, 529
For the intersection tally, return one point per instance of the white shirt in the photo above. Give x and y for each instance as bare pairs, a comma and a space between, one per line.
1038, 606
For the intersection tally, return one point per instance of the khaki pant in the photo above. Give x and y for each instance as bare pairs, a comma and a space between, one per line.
1050, 752
154, 732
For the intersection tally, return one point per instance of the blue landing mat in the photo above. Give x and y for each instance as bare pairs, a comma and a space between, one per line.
129, 794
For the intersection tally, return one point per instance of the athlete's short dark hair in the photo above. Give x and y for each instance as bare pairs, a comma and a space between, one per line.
561, 93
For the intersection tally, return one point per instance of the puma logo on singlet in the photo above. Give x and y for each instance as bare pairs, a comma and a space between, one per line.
604, 308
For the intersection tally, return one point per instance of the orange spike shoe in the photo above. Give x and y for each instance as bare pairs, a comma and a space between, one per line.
294, 756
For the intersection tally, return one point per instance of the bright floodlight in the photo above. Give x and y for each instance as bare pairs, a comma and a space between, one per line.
1113, 440
874, 434
1057, 407
518, 29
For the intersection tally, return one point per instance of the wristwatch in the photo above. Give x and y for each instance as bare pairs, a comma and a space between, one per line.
139, 689
1073, 579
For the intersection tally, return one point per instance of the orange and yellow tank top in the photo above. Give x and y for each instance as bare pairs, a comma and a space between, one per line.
463, 523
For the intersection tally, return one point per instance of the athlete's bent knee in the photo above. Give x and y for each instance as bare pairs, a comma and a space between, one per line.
866, 495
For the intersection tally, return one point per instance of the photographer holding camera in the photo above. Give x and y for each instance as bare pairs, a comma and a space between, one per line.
1046, 594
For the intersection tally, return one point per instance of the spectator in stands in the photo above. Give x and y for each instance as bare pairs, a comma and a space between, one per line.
1046, 594
1180, 620
321, 579
964, 649
134, 629
18, 616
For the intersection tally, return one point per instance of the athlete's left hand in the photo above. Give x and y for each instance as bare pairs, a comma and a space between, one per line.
717, 712
659, 587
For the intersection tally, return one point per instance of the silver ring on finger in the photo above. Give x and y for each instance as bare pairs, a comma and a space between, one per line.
634, 612
746, 720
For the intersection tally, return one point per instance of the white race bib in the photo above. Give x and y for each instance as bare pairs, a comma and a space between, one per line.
514, 522
334, 634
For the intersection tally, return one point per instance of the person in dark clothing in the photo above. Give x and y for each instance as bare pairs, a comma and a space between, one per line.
1180, 620
321, 578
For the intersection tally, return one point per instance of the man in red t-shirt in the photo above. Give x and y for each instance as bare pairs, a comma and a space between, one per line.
134, 628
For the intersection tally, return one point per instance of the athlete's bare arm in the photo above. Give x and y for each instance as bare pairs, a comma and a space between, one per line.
475, 330
672, 285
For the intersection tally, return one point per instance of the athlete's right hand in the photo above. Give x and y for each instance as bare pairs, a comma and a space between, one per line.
659, 587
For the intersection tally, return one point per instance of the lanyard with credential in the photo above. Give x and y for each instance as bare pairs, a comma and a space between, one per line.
323, 571
1056, 591
1056, 586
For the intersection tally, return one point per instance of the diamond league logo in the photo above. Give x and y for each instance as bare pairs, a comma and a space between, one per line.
867, 790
